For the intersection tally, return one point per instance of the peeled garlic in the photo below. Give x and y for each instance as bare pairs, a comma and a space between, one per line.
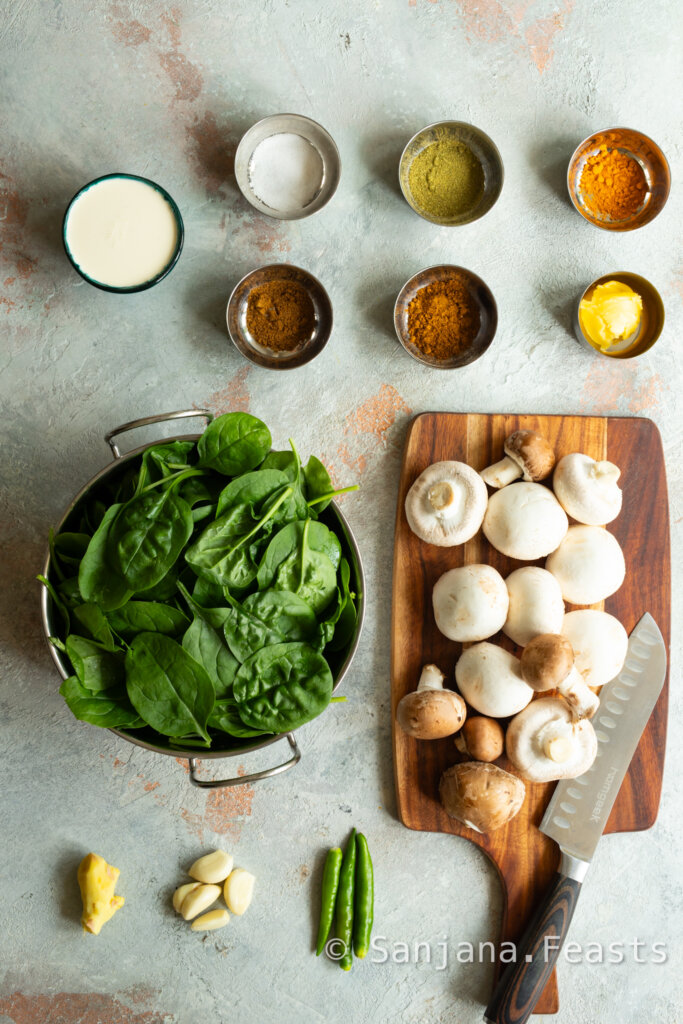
180, 894
212, 868
209, 922
199, 899
238, 890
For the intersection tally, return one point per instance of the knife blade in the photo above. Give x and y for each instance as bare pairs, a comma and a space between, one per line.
576, 817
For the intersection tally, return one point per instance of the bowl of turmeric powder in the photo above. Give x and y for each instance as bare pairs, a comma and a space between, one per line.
445, 317
279, 316
618, 179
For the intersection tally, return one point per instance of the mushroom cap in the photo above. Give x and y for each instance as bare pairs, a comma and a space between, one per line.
589, 565
490, 680
431, 714
587, 490
446, 504
532, 453
546, 661
600, 644
470, 603
481, 738
529, 732
536, 604
481, 796
525, 521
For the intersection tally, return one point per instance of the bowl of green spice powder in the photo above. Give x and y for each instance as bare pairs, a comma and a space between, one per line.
451, 173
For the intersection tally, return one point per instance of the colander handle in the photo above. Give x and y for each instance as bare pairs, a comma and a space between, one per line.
241, 779
147, 420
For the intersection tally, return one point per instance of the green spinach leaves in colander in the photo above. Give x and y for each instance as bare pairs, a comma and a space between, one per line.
200, 594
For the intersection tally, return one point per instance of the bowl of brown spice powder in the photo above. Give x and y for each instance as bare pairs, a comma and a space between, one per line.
445, 317
279, 316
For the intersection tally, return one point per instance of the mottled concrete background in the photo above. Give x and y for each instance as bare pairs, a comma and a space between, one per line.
92, 87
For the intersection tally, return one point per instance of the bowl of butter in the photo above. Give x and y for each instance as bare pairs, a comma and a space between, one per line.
619, 315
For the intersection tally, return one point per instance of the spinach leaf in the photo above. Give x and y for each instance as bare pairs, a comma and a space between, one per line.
148, 536
162, 591
215, 617
345, 622
147, 617
110, 709
167, 687
268, 617
317, 481
97, 667
94, 621
250, 489
281, 687
208, 648
286, 462
57, 601
206, 593
226, 718
98, 579
302, 558
234, 443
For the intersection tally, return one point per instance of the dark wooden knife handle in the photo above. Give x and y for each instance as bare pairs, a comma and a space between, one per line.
522, 982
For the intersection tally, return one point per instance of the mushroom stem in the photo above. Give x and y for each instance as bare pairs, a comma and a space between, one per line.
605, 472
431, 678
557, 741
501, 473
583, 702
441, 496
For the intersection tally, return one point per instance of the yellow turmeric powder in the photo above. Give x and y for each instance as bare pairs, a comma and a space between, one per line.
613, 184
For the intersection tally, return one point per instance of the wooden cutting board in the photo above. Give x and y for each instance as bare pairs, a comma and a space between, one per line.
525, 858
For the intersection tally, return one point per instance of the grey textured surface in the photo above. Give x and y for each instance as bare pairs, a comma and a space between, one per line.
90, 88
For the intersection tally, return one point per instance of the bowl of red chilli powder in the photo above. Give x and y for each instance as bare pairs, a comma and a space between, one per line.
279, 316
445, 317
618, 179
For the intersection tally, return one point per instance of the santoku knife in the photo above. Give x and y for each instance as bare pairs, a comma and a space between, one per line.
576, 817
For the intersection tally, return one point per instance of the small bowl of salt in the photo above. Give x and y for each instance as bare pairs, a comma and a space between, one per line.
287, 166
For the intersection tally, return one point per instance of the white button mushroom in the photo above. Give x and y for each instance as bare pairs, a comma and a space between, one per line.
481, 796
600, 644
548, 664
525, 521
490, 680
587, 490
430, 712
527, 454
470, 603
536, 604
446, 504
588, 565
544, 742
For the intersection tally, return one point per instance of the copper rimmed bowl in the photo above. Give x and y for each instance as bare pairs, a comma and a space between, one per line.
339, 666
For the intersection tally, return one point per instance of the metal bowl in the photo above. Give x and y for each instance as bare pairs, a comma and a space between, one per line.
339, 663
236, 316
652, 161
651, 323
488, 313
483, 148
310, 130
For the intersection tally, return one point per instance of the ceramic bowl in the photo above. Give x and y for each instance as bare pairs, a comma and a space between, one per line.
484, 149
651, 323
488, 312
237, 317
652, 161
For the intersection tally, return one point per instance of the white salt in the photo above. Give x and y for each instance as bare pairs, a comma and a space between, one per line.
286, 172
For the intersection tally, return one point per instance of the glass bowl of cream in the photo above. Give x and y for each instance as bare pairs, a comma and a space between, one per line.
123, 233
619, 315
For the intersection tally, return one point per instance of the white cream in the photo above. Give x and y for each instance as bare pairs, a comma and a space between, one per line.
121, 232
286, 172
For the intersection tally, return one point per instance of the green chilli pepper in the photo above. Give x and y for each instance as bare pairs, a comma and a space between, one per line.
344, 906
329, 895
364, 899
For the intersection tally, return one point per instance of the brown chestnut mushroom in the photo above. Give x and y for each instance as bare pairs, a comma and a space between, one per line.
481, 796
431, 712
481, 739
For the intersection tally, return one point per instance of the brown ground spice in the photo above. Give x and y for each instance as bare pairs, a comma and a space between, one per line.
612, 184
443, 319
280, 315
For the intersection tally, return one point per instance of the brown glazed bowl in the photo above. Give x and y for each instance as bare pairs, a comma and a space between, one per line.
652, 161
488, 313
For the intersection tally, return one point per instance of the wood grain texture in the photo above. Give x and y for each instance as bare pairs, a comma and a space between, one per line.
525, 858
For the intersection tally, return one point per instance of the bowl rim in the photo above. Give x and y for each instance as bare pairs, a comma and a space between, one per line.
268, 211
578, 329
470, 274
306, 354
197, 752
453, 124
127, 289
574, 156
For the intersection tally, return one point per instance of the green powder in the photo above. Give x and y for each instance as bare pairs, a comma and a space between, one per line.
446, 179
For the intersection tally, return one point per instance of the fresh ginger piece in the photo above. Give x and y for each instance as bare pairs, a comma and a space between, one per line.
97, 881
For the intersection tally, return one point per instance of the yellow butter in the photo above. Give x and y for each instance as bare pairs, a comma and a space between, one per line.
97, 881
611, 312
